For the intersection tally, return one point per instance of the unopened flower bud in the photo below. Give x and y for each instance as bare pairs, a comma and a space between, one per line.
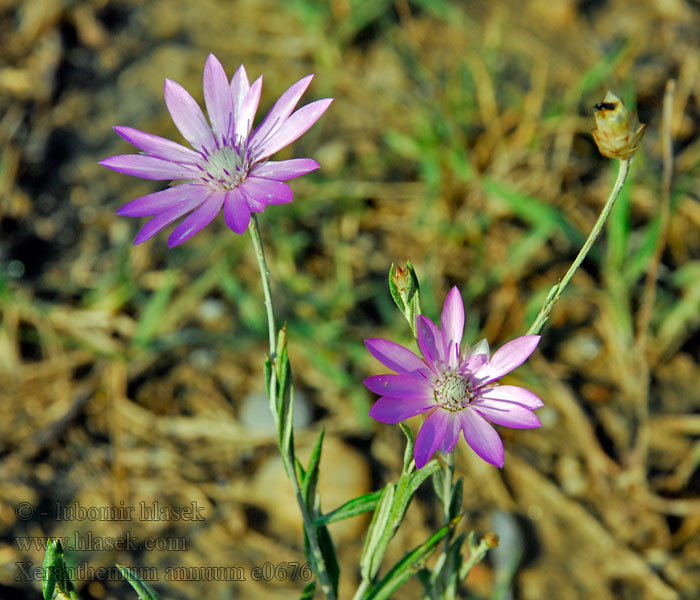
403, 284
618, 132
401, 278
490, 539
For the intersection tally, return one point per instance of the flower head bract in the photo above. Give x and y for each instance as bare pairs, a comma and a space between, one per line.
456, 390
228, 164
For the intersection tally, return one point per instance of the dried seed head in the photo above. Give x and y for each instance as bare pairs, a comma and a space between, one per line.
618, 132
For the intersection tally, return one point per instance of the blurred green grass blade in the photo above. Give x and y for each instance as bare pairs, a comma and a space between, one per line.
521, 252
596, 77
448, 11
684, 316
618, 228
143, 589
151, 319
533, 210
638, 262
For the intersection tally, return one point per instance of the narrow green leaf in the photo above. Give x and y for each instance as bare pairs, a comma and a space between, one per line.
439, 485
410, 564
267, 371
401, 498
301, 472
309, 591
283, 367
49, 569
394, 290
310, 480
330, 558
143, 589
285, 403
418, 477
286, 442
55, 574
368, 563
351, 508
410, 445
456, 499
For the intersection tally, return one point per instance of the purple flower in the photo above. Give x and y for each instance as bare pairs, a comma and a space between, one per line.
456, 390
228, 165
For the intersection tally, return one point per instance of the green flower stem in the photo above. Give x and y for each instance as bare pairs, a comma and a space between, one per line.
557, 290
265, 277
447, 495
447, 492
361, 590
287, 457
477, 554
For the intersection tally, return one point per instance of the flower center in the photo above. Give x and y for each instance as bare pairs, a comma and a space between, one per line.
225, 167
454, 391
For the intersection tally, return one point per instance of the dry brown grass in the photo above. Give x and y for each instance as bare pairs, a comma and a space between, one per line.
457, 140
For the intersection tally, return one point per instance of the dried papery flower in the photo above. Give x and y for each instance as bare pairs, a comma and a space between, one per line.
455, 389
228, 166
618, 132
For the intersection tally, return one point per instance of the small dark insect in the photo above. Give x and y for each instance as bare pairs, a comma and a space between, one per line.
605, 106
617, 132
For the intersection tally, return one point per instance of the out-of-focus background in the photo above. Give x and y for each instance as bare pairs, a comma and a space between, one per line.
458, 139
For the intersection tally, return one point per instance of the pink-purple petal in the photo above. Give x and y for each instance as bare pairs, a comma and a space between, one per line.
256, 205
162, 220
197, 220
267, 190
394, 410
149, 167
507, 414
239, 88
396, 357
482, 438
400, 386
217, 97
158, 202
247, 110
281, 110
473, 363
454, 428
430, 436
236, 211
283, 170
508, 357
187, 116
452, 324
512, 393
157, 146
292, 129
430, 341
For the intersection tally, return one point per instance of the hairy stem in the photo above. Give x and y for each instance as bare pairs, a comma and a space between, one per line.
447, 496
288, 456
557, 290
